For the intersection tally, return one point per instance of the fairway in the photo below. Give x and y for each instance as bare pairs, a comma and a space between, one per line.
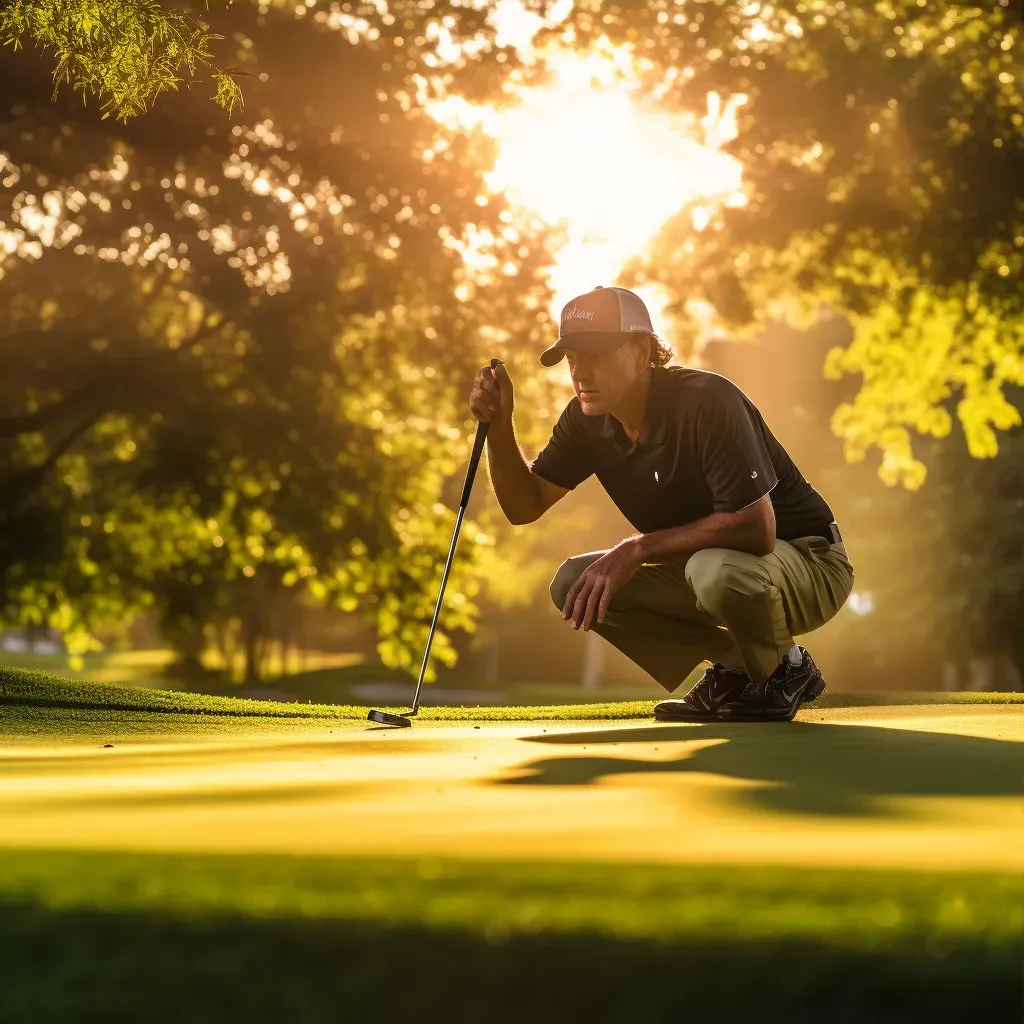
178, 857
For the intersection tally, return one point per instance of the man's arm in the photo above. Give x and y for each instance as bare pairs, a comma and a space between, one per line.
523, 497
750, 529
526, 490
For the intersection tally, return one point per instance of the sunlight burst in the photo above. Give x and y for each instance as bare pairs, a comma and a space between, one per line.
591, 154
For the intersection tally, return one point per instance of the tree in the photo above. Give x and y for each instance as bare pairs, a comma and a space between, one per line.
261, 339
883, 154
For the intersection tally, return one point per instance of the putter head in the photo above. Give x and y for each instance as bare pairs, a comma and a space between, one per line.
385, 718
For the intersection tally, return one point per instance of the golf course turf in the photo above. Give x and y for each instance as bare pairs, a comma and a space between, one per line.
27, 688
161, 937
174, 857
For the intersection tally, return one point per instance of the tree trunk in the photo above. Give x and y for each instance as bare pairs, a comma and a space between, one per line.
494, 661
185, 636
251, 647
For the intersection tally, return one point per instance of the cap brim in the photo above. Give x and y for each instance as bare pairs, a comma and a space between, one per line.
595, 343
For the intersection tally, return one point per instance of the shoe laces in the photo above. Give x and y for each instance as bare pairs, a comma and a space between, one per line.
754, 690
759, 690
721, 670
723, 674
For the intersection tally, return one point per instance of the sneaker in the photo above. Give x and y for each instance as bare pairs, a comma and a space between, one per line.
778, 697
717, 686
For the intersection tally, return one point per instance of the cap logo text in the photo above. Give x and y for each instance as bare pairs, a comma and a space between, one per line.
574, 312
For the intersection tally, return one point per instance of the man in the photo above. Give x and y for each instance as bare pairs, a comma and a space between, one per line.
736, 553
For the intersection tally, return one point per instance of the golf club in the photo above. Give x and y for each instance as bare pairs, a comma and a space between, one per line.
401, 721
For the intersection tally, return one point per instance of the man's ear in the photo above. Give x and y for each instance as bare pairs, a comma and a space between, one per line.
647, 349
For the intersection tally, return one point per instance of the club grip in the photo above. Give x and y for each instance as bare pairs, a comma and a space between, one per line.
474, 459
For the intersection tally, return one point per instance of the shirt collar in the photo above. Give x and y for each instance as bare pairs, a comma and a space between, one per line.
655, 415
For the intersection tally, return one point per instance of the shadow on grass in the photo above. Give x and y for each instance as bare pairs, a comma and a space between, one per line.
112, 967
814, 768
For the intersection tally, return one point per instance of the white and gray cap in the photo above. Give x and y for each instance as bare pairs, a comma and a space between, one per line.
598, 322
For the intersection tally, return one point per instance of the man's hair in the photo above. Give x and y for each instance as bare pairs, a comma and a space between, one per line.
661, 354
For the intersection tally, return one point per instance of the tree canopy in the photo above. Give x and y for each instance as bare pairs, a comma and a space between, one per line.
881, 145
259, 340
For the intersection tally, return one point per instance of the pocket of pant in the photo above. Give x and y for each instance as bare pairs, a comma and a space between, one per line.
843, 570
812, 547
834, 566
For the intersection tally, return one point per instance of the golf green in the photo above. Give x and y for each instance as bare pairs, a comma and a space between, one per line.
172, 863
920, 787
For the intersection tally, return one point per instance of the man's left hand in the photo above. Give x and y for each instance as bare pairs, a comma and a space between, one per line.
592, 592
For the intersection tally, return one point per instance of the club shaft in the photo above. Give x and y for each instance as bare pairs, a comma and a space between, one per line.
437, 609
474, 461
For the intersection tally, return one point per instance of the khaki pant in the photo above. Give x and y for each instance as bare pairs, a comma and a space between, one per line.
719, 605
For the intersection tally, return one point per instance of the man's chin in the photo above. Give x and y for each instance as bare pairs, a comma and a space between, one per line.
592, 405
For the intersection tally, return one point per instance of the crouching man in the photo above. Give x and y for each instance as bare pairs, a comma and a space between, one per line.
736, 552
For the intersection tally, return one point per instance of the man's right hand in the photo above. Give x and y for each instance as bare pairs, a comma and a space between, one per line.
491, 398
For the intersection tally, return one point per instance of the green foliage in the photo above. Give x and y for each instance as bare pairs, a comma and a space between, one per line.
125, 52
229, 92
918, 348
964, 537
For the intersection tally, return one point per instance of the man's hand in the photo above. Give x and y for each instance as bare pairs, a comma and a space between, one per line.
491, 398
592, 592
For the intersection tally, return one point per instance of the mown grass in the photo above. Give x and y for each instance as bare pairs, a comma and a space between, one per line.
31, 725
160, 937
20, 687
113, 936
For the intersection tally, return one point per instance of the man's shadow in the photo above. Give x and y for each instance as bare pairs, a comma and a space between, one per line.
813, 768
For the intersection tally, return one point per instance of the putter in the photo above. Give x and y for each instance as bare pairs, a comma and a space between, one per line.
402, 721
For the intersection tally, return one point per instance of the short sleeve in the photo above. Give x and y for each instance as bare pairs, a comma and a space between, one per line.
733, 452
567, 459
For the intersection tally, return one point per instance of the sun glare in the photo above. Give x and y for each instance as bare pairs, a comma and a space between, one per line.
591, 154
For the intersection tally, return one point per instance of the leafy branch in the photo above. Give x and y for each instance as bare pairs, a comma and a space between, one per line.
125, 52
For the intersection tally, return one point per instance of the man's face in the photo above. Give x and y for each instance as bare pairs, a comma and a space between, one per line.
601, 381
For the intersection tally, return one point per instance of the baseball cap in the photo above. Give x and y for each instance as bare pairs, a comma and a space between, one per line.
598, 322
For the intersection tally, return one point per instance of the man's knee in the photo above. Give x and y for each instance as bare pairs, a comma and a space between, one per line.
567, 575
716, 575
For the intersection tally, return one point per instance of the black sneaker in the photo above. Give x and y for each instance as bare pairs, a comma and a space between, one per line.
717, 686
778, 697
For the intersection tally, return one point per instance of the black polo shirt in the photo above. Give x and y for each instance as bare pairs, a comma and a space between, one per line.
704, 448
